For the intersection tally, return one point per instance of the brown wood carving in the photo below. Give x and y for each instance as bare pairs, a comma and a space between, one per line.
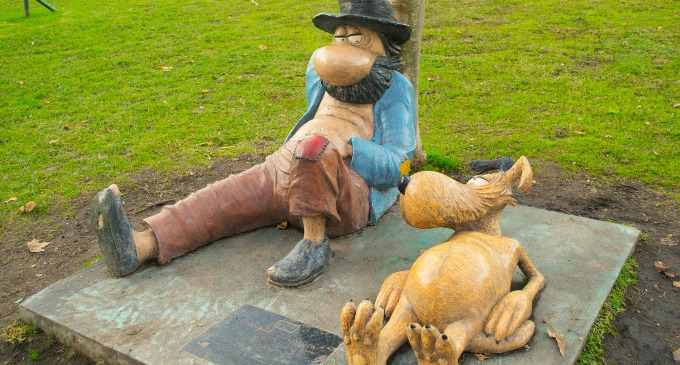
456, 297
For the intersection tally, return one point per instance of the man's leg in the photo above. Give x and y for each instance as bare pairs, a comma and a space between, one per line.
237, 204
330, 198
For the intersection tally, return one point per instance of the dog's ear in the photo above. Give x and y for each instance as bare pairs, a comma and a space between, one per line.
522, 170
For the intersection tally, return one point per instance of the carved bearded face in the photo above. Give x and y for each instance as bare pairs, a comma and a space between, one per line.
355, 68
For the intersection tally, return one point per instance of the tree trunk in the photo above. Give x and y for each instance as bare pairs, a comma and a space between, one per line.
412, 12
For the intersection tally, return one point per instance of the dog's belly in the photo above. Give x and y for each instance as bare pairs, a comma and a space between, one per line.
454, 281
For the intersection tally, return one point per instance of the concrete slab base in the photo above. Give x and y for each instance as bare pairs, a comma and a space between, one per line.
150, 316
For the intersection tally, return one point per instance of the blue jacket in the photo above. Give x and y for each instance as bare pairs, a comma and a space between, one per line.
377, 161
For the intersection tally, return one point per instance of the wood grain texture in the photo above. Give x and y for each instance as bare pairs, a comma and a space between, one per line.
456, 296
412, 12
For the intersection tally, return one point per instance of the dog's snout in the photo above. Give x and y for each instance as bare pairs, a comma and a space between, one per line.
403, 182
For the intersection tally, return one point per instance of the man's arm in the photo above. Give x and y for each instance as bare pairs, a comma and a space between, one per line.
379, 162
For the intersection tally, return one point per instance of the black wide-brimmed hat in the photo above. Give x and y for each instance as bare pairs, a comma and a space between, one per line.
376, 15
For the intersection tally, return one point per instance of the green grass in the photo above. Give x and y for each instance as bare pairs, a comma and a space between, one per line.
100, 67
439, 161
519, 78
33, 354
87, 263
497, 78
18, 332
615, 304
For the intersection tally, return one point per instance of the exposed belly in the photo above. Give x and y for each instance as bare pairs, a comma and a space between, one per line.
456, 281
338, 122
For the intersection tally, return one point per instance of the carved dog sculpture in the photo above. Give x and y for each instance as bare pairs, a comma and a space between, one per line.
459, 289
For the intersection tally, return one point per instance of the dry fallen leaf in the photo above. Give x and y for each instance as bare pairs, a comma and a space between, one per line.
205, 91
10, 199
676, 284
205, 144
21, 82
648, 123
53, 141
607, 136
660, 266
36, 246
579, 133
47, 101
28, 207
676, 355
263, 47
669, 274
240, 100
660, 28
100, 156
66, 126
561, 341
676, 105
166, 68
668, 241
482, 357
282, 225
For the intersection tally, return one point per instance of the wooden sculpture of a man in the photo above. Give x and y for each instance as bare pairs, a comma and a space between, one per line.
336, 172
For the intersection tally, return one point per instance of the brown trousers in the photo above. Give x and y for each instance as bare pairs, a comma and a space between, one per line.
283, 188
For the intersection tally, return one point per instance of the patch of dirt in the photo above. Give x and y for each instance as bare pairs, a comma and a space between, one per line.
72, 242
647, 332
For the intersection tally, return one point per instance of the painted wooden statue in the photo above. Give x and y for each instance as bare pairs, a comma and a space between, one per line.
456, 297
336, 172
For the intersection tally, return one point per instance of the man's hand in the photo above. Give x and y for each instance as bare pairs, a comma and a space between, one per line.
510, 312
343, 147
347, 150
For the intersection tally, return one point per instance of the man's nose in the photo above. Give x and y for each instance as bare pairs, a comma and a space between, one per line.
343, 64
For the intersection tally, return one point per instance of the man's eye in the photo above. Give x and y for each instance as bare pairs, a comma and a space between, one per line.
339, 39
354, 38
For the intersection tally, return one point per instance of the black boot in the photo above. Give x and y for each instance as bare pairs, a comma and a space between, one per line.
114, 233
303, 264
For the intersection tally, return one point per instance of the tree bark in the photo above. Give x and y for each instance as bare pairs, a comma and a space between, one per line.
412, 12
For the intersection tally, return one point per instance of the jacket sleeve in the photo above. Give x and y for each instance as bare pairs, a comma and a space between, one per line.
312, 82
378, 161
